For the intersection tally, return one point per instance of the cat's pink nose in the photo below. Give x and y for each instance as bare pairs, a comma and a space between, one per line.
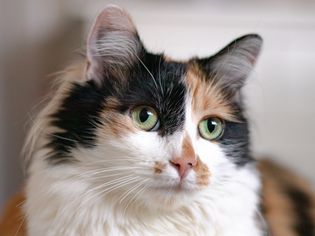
183, 165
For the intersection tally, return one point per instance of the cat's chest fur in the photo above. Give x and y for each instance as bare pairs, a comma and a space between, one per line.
54, 209
98, 220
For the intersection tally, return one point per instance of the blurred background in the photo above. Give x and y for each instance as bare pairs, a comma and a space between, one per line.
40, 37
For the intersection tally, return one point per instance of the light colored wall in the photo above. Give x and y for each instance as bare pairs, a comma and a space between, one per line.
3, 178
29, 32
280, 95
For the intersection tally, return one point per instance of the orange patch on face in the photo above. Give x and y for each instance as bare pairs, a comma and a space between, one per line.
117, 124
207, 98
202, 173
189, 156
158, 167
188, 151
113, 122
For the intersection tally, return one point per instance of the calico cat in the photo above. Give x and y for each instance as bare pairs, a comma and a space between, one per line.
134, 143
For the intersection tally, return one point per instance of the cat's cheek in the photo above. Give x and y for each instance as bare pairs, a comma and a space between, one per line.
202, 174
147, 144
164, 175
211, 158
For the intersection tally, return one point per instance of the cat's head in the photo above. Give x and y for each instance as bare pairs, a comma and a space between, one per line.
142, 127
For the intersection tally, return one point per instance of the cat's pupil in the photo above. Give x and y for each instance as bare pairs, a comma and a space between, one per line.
211, 125
144, 115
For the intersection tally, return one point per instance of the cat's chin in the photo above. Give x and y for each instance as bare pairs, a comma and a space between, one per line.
171, 201
170, 197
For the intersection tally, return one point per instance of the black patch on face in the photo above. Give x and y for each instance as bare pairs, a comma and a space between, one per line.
160, 86
235, 140
77, 118
154, 82
304, 223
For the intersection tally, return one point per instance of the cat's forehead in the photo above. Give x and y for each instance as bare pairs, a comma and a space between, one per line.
207, 97
174, 89
170, 78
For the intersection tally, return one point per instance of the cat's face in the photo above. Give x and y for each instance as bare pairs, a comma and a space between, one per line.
145, 128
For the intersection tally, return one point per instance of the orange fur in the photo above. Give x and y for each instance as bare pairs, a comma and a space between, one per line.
116, 124
202, 172
207, 98
188, 151
159, 167
12, 222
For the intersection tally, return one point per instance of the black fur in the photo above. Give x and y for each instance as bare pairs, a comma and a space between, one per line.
79, 114
304, 223
77, 118
235, 140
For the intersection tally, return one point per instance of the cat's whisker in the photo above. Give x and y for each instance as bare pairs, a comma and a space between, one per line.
114, 181
116, 186
103, 176
100, 189
133, 180
108, 164
97, 171
146, 68
23, 219
137, 194
125, 195
94, 124
108, 169
117, 159
63, 138
102, 184
111, 169
159, 74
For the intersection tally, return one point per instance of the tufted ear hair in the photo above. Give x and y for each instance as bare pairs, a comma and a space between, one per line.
113, 44
231, 66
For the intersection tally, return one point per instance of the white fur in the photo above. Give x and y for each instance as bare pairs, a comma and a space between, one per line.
87, 198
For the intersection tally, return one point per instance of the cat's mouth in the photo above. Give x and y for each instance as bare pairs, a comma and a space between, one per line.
178, 187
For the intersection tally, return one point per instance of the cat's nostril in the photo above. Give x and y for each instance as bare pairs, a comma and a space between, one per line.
174, 164
182, 166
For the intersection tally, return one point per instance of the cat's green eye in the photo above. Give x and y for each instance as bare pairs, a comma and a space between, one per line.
145, 118
211, 128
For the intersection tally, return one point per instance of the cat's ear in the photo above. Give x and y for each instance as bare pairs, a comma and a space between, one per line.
113, 44
234, 63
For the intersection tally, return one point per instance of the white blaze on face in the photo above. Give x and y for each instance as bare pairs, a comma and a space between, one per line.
209, 153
